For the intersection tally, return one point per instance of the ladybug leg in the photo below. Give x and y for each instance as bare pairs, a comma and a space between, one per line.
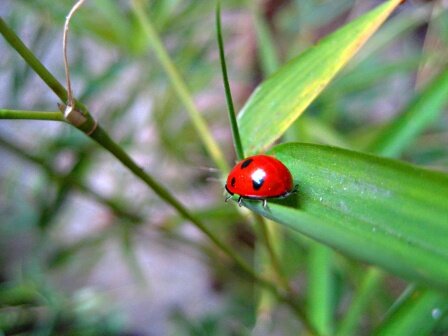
265, 203
228, 197
240, 201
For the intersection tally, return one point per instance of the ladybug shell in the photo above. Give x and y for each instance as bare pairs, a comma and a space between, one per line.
260, 177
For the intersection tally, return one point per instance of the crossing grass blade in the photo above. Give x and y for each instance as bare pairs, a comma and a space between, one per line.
282, 98
377, 210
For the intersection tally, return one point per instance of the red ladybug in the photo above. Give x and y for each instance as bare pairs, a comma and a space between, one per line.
259, 177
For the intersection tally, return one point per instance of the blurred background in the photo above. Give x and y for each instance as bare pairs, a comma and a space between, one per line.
86, 248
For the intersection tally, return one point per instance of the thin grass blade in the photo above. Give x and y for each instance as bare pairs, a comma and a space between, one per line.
239, 150
418, 314
321, 288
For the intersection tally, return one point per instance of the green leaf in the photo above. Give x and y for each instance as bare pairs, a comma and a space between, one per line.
378, 210
280, 100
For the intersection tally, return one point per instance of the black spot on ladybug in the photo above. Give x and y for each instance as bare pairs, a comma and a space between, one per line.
246, 163
257, 184
232, 182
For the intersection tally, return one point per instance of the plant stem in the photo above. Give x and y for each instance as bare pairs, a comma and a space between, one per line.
180, 87
274, 270
102, 138
105, 141
36, 65
31, 115
111, 146
239, 150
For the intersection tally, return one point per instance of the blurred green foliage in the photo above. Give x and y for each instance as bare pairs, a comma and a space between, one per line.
53, 179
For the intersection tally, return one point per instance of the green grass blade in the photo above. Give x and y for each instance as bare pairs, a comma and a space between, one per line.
180, 87
269, 60
378, 210
362, 299
418, 314
239, 150
282, 98
415, 118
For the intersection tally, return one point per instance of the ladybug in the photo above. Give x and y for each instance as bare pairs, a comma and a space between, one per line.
259, 177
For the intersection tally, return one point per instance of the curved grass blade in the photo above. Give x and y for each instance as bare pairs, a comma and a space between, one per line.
280, 100
378, 210
418, 314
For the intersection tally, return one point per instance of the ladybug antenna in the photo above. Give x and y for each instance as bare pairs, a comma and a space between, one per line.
209, 169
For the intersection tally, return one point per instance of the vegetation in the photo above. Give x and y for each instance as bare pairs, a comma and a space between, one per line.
351, 98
